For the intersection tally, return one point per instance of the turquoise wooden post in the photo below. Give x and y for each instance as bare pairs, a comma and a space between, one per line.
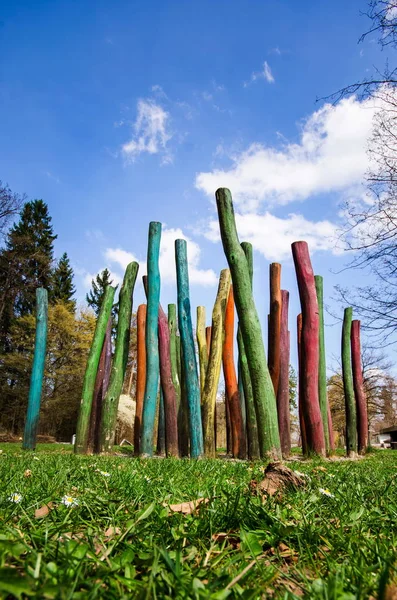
152, 344
188, 350
36, 379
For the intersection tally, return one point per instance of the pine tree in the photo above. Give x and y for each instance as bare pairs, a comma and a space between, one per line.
63, 288
95, 295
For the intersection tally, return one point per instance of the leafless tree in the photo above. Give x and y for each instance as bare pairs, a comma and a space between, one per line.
10, 205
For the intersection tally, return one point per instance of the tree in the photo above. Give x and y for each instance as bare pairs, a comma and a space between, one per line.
62, 282
10, 205
95, 295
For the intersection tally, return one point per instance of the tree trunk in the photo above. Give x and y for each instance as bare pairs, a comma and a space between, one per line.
239, 448
202, 347
310, 349
101, 385
283, 409
350, 402
359, 392
152, 347
274, 324
87, 393
188, 350
265, 400
141, 375
120, 359
36, 378
322, 367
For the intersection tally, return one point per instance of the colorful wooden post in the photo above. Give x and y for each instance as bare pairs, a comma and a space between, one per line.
331, 431
152, 346
188, 350
175, 350
140, 376
161, 431
359, 392
120, 359
87, 393
274, 324
241, 396
350, 402
251, 426
208, 332
214, 364
283, 409
310, 349
300, 386
322, 367
239, 446
101, 385
264, 397
202, 346
36, 378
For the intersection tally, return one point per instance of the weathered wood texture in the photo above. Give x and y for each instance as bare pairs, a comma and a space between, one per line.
239, 445
350, 402
214, 364
310, 349
152, 346
302, 425
322, 367
273, 357
120, 359
83, 422
101, 385
251, 425
188, 350
175, 366
141, 375
283, 409
36, 378
208, 338
161, 430
264, 397
202, 346
359, 392
242, 398
331, 431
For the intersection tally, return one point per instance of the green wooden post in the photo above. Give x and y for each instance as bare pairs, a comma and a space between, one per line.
251, 422
202, 347
36, 378
172, 324
262, 386
120, 359
322, 367
188, 350
350, 402
83, 423
152, 345
241, 394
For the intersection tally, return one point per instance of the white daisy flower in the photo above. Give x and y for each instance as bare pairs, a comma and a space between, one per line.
326, 492
69, 501
15, 497
104, 473
147, 479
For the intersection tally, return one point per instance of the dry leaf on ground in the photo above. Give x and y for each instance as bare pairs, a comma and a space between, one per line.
43, 511
112, 531
188, 508
232, 539
277, 476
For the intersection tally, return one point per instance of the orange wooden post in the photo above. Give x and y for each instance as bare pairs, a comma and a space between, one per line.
141, 374
283, 409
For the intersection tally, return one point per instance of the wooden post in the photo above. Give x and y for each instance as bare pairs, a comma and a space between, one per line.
214, 364
283, 409
350, 403
152, 348
101, 385
310, 349
359, 392
120, 359
36, 378
202, 347
322, 367
161, 431
239, 447
300, 387
141, 375
208, 331
264, 397
331, 431
251, 426
183, 415
274, 324
188, 350
83, 423
241, 396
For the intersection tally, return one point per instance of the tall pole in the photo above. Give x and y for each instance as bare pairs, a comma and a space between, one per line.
274, 324
101, 386
283, 409
141, 375
322, 367
202, 347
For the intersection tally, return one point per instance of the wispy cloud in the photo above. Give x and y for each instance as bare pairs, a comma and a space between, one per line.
52, 176
265, 73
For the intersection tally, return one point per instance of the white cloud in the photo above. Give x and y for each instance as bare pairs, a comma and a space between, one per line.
272, 236
197, 276
151, 132
330, 156
266, 74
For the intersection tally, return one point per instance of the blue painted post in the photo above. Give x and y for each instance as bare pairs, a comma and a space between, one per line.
152, 343
189, 364
36, 379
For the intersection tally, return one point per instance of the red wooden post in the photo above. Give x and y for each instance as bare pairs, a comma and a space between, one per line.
141, 374
300, 385
274, 324
310, 348
283, 410
359, 393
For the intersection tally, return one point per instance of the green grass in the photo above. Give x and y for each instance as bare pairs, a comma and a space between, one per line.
342, 547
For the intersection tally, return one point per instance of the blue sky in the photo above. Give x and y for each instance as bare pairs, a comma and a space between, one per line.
119, 113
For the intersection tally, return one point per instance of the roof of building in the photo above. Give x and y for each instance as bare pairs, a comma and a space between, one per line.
389, 429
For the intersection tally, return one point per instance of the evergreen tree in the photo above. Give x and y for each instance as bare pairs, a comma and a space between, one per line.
95, 296
63, 289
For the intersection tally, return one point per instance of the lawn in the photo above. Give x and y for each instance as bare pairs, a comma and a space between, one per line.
106, 528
